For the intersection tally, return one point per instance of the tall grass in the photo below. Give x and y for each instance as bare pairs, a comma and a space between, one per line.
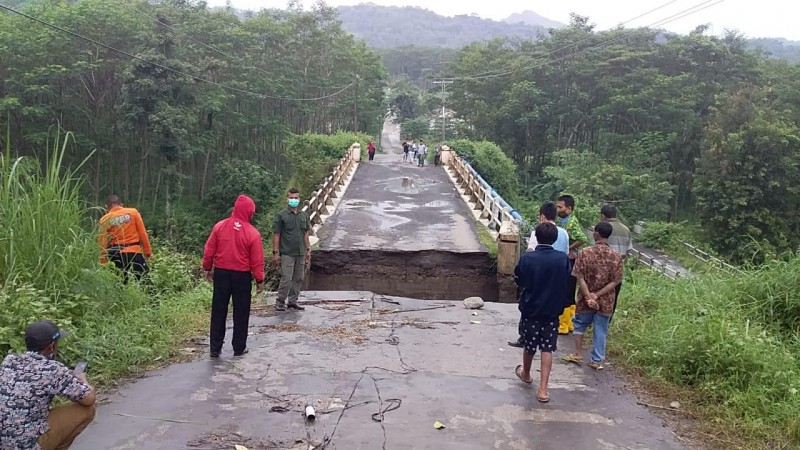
49, 268
41, 239
732, 338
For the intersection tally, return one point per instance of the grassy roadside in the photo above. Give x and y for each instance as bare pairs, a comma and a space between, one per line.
486, 238
49, 269
728, 343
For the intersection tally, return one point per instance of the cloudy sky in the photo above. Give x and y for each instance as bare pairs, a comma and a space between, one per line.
755, 18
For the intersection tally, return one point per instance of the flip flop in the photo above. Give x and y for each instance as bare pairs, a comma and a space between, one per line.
518, 373
596, 366
571, 359
542, 399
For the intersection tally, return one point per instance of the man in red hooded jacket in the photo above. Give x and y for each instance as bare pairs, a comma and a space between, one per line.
235, 253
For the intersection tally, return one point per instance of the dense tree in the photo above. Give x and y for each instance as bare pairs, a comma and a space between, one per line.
638, 118
747, 176
205, 86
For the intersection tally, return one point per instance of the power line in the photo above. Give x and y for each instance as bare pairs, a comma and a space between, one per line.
170, 27
194, 77
575, 44
543, 61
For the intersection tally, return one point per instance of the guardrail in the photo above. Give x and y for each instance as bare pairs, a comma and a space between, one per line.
655, 264
317, 205
484, 198
639, 227
708, 259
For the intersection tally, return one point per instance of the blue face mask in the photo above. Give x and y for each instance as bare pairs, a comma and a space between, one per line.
294, 202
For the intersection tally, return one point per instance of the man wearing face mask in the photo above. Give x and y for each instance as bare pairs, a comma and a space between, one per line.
28, 384
291, 251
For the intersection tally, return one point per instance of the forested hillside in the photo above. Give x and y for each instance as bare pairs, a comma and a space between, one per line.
390, 26
184, 89
777, 48
668, 127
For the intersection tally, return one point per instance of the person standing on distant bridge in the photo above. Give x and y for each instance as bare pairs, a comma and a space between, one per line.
406, 149
598, 270
542, 274
414, 149
123, 239
437, 154
371, 149
577, 239
291, 251
619, 241
422, 153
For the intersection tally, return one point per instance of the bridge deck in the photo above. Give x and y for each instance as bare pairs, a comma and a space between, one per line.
396, 206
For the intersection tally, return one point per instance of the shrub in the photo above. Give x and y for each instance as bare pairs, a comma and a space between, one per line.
234, 177
492, 164
665, 236
313, 156
729, 336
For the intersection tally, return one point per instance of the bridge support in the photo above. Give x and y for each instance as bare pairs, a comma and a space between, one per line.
508, 253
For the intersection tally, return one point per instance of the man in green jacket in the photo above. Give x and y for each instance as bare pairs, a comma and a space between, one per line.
291, 251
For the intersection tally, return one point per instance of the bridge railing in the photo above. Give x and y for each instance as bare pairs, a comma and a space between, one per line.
317, 205
491, 205
659, 266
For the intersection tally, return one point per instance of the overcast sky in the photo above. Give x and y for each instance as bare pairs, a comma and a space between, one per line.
755, 18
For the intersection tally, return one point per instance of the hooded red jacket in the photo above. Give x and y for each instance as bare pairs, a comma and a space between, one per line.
234, 244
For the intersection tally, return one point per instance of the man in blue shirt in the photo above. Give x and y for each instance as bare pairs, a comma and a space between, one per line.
542, 274
547, 213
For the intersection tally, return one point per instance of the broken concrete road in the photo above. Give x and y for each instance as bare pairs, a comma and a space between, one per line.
355, 354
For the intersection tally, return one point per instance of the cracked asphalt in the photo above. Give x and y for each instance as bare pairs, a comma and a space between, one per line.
354, 354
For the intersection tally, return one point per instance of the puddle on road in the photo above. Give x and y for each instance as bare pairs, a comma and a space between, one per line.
438, 204
405, 185
355, 204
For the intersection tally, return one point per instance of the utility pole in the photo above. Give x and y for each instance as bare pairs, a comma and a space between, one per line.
355, 108
444, 84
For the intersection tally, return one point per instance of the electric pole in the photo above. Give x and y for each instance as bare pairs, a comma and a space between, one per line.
355, 108
444, 84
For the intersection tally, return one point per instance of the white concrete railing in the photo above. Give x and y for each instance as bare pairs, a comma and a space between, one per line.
322, 197
489, 206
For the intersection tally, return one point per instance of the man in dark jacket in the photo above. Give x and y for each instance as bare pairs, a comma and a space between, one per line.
235, 253
542, 274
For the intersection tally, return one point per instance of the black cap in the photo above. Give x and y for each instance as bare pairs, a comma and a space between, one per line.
42, 333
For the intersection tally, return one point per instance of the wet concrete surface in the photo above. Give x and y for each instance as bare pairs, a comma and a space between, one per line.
401, 207
353, 354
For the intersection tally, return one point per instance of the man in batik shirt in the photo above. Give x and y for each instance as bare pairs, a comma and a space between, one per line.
28, 384
599, 271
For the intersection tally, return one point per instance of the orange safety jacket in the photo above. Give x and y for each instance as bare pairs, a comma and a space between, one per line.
122, 230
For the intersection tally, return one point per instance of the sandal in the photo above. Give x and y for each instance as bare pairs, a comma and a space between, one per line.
518, 373
596, 366
542, 399
572, 358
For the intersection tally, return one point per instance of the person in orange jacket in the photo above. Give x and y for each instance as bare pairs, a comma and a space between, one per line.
123, 239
